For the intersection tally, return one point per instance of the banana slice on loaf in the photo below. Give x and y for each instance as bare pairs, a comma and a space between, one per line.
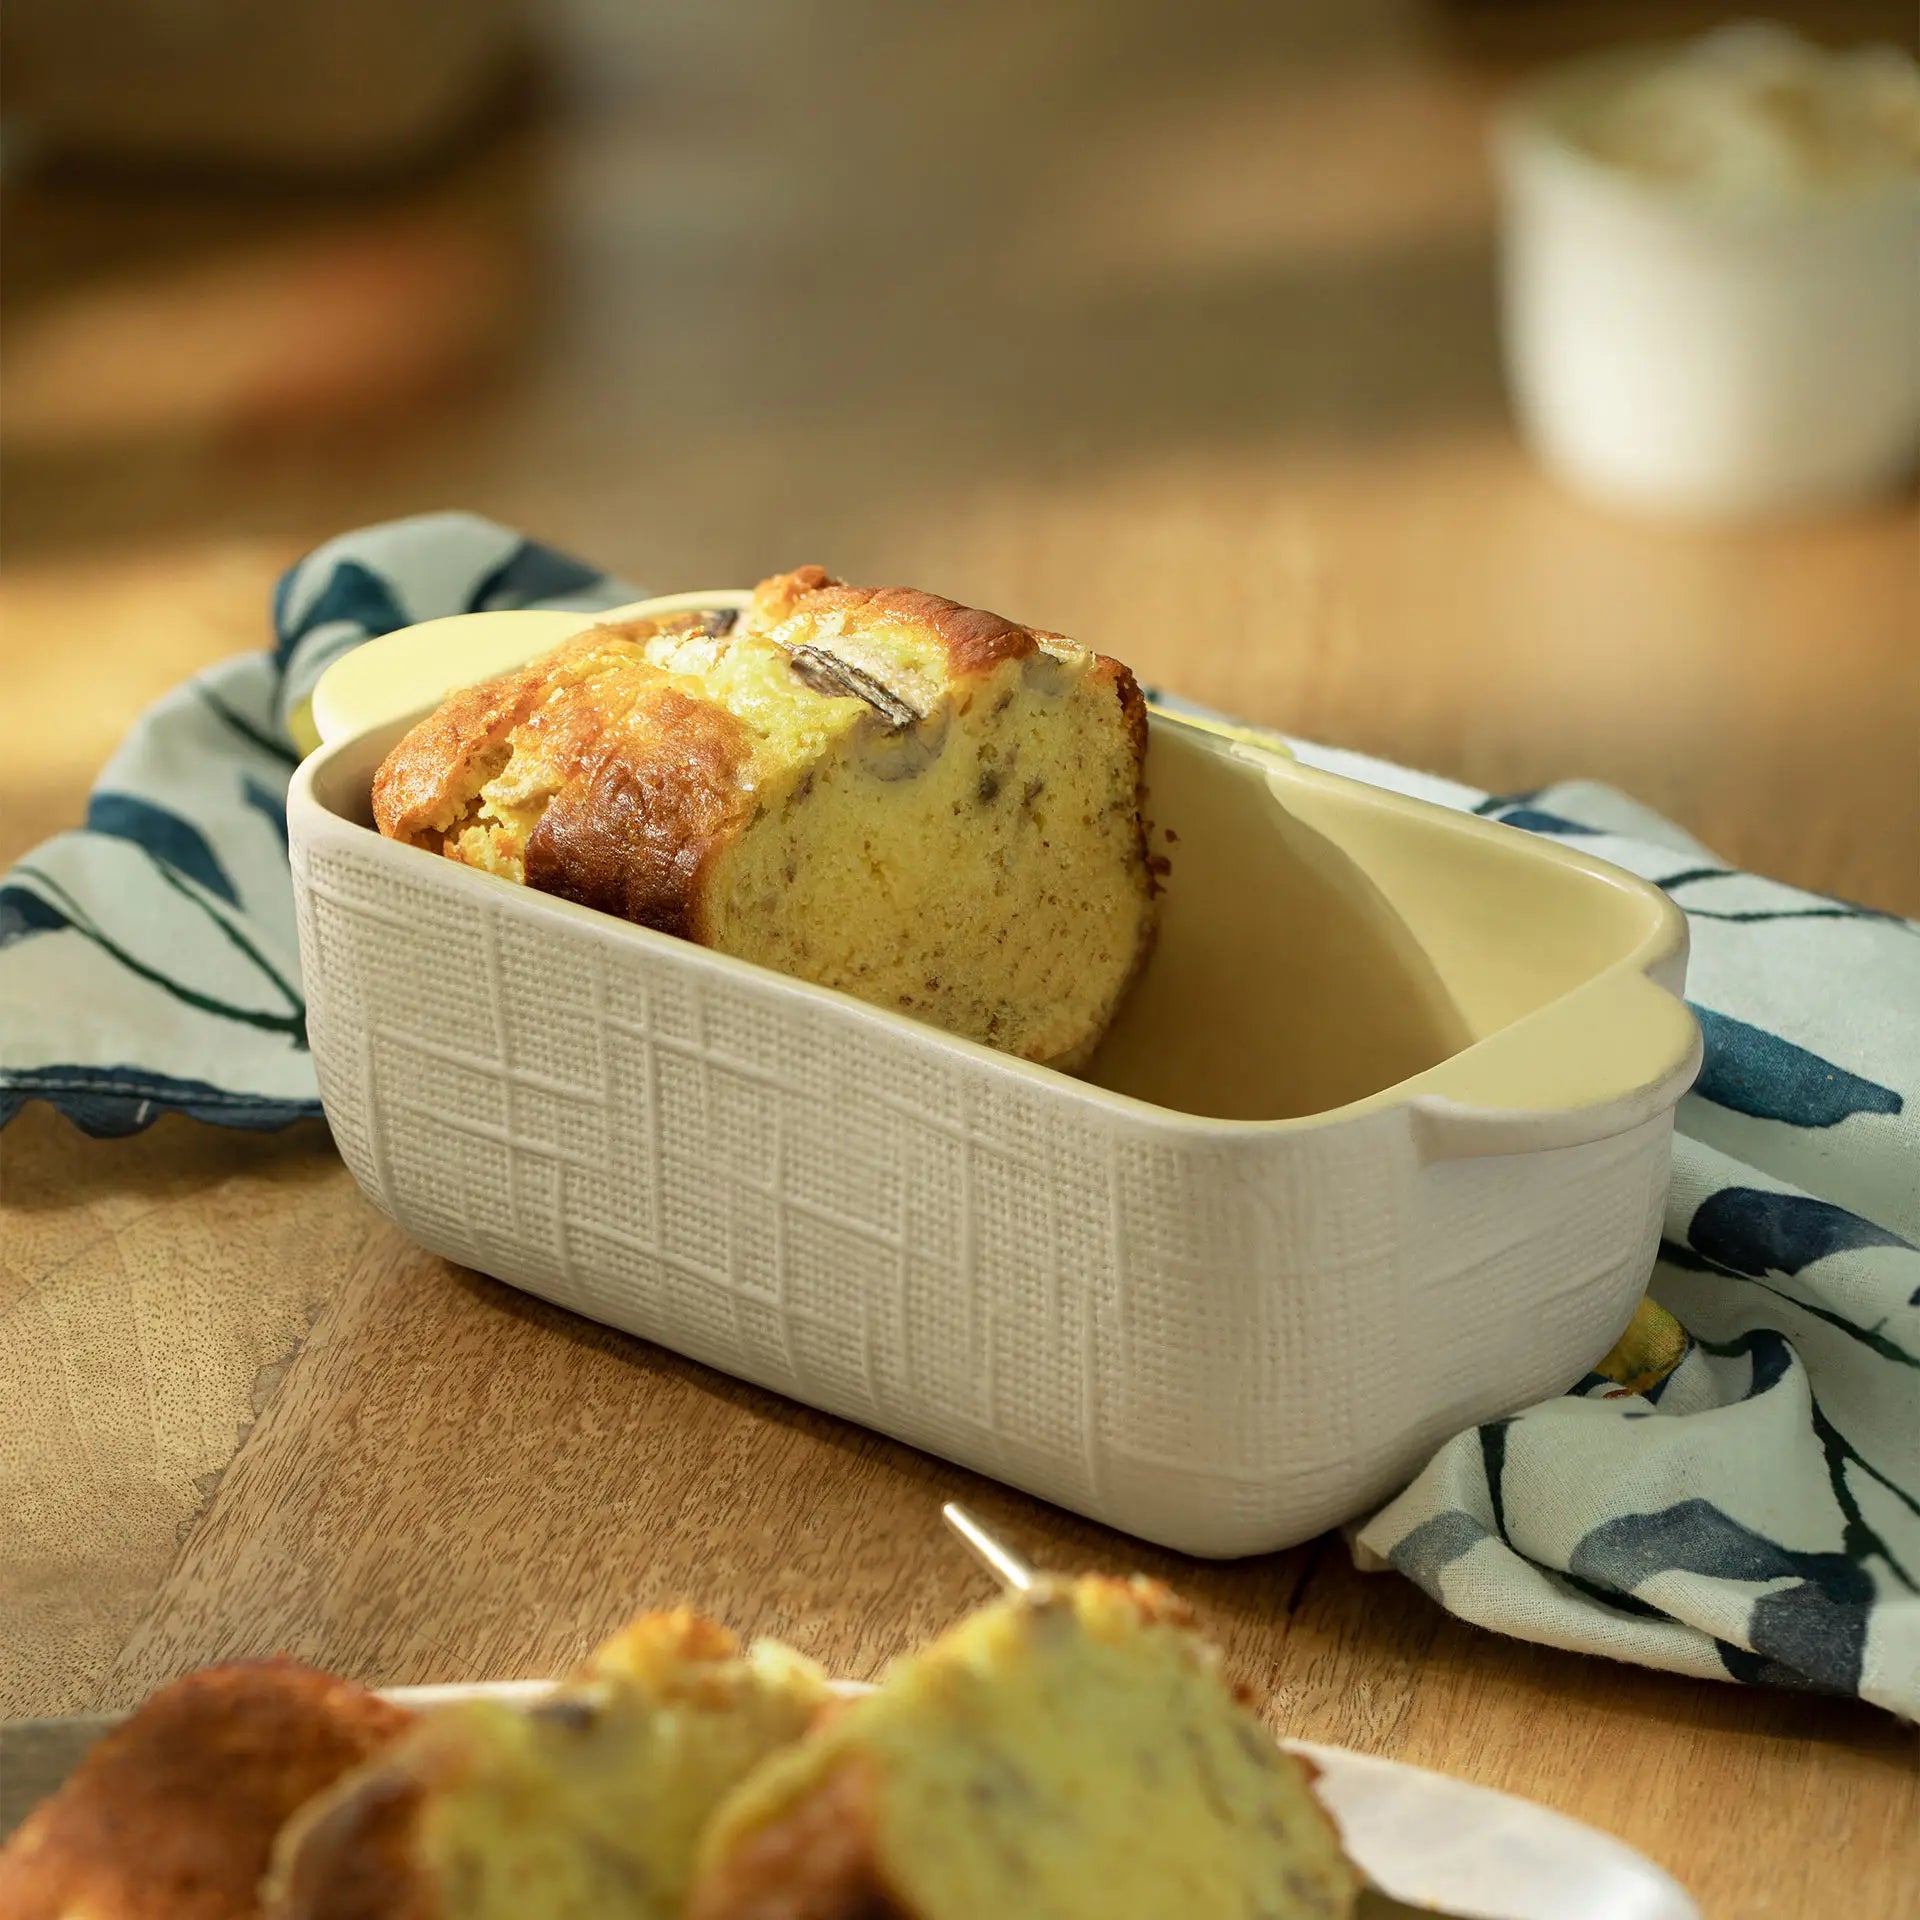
871, 788
1073, 1754
585, 1806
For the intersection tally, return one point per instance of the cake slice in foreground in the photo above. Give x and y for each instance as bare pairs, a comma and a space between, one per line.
870, 788
585, 1806
1073, 1754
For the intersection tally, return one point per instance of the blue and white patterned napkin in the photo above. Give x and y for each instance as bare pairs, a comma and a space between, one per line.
1734, 1492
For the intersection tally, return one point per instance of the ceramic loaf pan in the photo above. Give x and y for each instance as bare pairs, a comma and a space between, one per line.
1377, 1150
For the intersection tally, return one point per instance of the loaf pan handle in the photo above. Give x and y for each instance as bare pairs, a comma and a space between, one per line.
1600, 1062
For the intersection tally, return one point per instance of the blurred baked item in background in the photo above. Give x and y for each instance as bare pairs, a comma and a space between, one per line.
172, 1816
874, 789
1708, 293
302, 87
1754, 111
1072, 1753
585, 1806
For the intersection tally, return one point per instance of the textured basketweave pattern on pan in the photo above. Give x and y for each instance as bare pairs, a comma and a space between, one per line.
1199, 1334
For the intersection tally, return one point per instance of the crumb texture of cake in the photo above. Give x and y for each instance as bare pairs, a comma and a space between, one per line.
873, 789
1073, 1754
585, 1806
172, 1816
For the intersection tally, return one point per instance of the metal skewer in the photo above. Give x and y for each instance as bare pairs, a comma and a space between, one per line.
1017, 1576
1008, 1568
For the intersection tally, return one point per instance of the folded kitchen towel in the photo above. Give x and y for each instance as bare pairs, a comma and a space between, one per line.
1734, 1491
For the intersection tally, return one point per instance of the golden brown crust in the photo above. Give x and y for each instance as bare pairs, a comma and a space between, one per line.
1156, 1603
418, 786
975, 640
172, 1816
641, 813
647, 779
1133, 703
425, 783
816, 1862
1133, 706
674, 1643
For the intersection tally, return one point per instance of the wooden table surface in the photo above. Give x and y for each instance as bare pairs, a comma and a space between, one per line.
1175, 333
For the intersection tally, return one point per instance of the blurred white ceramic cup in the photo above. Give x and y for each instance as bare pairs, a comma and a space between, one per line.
1706, 318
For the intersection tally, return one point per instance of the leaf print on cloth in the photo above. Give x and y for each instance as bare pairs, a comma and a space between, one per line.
24, 912
1759, 1073
1754, 1235
1538, 820
75, 919
1812, 1631
270, 806
1749, 1230
1433, 1546
1870, 1336
107, 1102
128, 993
531, 575
1804, 907
125, 816
253, 735
354, 596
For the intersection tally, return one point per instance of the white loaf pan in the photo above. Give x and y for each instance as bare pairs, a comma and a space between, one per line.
1378, 1149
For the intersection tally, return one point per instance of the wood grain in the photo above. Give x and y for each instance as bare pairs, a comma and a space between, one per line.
1171, 328
153, 1292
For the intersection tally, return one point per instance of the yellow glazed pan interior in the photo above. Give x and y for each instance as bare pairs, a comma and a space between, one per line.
1326, 947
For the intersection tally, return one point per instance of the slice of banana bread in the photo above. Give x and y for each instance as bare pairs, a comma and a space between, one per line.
585, 1806
868, 787
1069, 1755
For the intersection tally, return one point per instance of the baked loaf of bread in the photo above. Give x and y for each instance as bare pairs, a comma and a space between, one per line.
1072, 1754
173, 1814
871, 788
586, 1806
